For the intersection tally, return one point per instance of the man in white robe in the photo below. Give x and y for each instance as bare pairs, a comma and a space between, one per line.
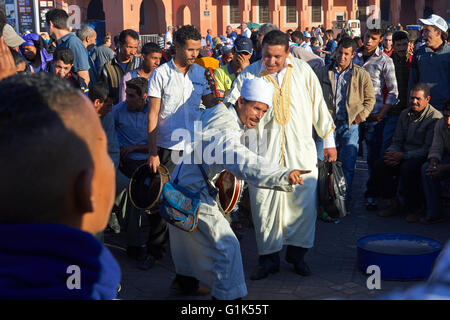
286, 138
211, 253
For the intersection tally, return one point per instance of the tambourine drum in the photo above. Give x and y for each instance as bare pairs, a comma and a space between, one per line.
230, 190
145, 186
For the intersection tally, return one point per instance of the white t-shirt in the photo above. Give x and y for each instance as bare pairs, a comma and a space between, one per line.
247, 33
167, 39
180, 102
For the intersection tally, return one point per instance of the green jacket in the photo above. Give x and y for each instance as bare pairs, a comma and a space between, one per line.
414, 133
360, 97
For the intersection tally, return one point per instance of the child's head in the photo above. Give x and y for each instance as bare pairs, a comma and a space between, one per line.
314, 41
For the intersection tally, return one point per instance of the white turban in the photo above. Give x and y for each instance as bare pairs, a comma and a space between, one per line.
259, 90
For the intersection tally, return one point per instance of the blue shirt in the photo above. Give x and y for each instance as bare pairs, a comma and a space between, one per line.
331, 46
341, 81
80, 53
131, 128
111, 136
232, 35
209, 39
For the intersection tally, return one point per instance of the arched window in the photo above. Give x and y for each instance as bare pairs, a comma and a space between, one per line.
235, 14
95, 10
291, 11
264, 15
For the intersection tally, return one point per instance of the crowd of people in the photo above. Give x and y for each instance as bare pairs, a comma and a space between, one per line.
307, 95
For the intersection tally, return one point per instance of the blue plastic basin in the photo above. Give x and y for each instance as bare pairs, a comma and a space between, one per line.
399, 256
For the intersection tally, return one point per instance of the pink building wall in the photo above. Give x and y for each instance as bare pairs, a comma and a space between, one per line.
214, 14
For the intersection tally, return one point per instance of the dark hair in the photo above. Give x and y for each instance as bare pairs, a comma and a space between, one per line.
186, 33
99, 91
422, 87
412, 36
399, 35
446, 106
356, 39
18, 58
297, 34
276, 37
329, 32
58, 17
127, 32
41, 171
376, 31
63, 54
313, 39
139, 84
347, 43
150, 47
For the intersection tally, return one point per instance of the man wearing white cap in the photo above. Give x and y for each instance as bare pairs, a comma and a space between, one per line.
287, 218
211, 253
431, 63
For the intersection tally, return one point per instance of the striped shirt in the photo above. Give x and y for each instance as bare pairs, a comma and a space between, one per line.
382, 72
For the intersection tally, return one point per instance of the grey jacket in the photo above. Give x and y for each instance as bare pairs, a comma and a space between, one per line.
414, 134
441, 141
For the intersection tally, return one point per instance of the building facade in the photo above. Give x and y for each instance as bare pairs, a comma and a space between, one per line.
154, 16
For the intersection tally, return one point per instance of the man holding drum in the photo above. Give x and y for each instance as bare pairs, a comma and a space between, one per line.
211, 253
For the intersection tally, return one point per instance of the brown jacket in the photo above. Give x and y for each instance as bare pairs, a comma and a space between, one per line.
360, 97
414, 134
441, 141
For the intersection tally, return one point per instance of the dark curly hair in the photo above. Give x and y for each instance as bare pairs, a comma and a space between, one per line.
186, 33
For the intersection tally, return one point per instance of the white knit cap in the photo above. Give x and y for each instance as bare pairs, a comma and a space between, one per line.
258, 89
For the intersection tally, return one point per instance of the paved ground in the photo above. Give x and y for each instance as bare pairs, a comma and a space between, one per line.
332, 260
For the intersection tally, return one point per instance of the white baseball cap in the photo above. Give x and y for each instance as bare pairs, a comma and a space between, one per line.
435, 20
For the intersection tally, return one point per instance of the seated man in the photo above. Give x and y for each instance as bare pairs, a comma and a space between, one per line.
211, 253
62, 66
57, 190
131, 121
406, 155
437, 169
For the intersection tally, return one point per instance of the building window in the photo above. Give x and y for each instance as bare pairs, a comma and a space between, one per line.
361, 14
291, 11
264, 16
235, 14
316, 11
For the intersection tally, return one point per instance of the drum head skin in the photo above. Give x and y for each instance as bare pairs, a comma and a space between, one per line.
146, 186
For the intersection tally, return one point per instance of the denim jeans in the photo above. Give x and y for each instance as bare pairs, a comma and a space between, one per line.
433, 189
374, 142
388, 131
346, 140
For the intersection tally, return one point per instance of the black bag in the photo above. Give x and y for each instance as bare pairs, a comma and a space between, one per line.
332, 188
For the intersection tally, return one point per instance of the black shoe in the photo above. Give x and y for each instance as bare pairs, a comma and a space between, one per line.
371, 204
300, 267
267, 264
146, 264
137, 253
262, 272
